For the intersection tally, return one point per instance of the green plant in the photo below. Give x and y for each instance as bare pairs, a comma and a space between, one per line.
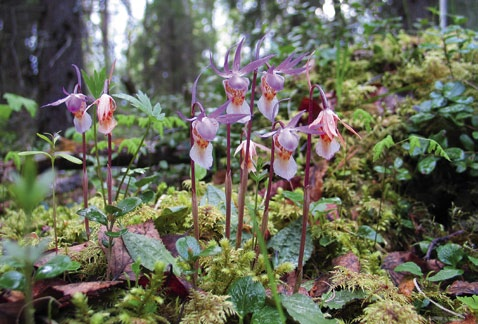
51, 140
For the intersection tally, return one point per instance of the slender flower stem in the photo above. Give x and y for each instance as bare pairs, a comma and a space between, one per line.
55, 227
306, 204
194, 202
244, 174
228, 183
109, 177
267, 199
85, 186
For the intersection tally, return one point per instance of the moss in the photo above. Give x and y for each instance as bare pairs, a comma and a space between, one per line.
207, 308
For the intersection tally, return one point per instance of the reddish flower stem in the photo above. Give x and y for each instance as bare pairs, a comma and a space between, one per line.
244, 174
306, 203
194, 202
228, 183
85, 187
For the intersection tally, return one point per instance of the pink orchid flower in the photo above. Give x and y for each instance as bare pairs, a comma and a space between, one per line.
204, 129
249, 163
330, 139
76, 103
106, 107
235, 84
286, 140
272, 82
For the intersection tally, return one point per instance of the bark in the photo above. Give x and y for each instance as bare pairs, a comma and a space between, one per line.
59, 47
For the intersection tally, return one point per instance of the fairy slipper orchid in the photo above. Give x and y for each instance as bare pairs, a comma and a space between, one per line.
249, 162
106, 107
235, 84
330, 139
272, 82
286, 140
76, 104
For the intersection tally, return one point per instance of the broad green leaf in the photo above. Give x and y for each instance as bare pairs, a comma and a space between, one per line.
210, 250
367, 232
338, 299
266, 314
13, 280
127, 205
428, 164
445, 274
248, 296
216, 197
93, 214
451, 90
56, 266
467, 142
188, 248
304, 311
148, 250
455, 153
450, 253
199, 172
69, 157
287, 242
297, 197
411, 267
324, 205
119, 233
146, 180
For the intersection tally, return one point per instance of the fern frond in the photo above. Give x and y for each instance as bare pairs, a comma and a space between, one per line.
380, 146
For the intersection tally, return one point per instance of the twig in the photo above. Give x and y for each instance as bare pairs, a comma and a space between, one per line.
439, 240
435, 303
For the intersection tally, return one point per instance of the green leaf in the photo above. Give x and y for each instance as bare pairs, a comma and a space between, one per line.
93, 214
13, 280
24, 254
455, 154
411, 267
452, 90
380, 146
338, 299
16, 102
216, 197
199, 172
473, 260
188, 248
467, 142
143, 103
96, 82
248, 296
297, 197
56, 266
27, 153
450, 253
117, 234
287, 243
146, 180
367, 232
266, 314
69, 157
127, 205
427, 165
445, 274
148, 250
303, 310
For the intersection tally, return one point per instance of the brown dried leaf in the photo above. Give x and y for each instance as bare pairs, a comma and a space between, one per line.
406, 287
349, 261
91, 288
121, 261
460, 287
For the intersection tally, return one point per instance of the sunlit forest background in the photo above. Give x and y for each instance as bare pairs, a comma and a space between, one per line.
161, 45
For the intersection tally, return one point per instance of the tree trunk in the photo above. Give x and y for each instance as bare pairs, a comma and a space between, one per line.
59, 47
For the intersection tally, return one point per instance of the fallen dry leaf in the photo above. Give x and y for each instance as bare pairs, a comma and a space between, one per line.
406, 287
349, 261
460, 287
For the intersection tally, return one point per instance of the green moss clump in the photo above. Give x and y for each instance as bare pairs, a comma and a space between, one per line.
207, 308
